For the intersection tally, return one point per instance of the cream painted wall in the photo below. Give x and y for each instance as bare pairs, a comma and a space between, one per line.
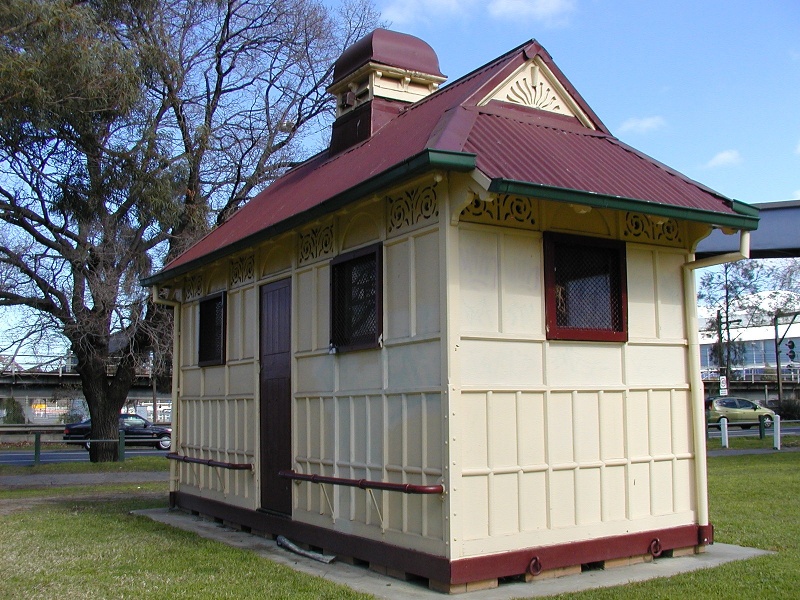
559, 440
538, 442
216, 403
374, 414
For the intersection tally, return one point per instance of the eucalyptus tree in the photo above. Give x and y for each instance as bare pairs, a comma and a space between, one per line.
127, 129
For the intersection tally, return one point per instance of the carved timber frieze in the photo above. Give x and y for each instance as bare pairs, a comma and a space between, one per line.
639, 227
193, 287
413, 207
316, 243
511, 211
242, 271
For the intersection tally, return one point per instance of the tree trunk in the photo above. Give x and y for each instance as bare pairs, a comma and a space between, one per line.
105, 426
105, 398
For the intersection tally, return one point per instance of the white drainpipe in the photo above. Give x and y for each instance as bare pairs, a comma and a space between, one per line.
176, 347
695, 376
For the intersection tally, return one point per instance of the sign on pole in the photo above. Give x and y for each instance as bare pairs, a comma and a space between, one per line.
723, 385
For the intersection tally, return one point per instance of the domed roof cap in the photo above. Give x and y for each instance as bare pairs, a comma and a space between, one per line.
389, 48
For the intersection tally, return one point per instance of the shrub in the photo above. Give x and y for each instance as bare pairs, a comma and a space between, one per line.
790, 409
14, 415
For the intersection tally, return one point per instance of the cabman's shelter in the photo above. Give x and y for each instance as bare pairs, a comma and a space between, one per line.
460, 344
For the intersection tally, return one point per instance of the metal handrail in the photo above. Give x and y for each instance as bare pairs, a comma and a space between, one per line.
406, 488
210, 463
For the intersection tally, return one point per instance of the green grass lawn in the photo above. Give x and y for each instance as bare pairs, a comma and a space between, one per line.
94, 550
69, 547
752, 441
138, 463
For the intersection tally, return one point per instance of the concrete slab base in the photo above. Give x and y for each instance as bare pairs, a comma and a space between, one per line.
371, 582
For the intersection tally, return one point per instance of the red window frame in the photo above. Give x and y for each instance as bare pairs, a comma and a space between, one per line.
558, 245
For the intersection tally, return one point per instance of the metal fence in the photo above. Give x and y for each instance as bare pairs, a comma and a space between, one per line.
51, 434
763, 431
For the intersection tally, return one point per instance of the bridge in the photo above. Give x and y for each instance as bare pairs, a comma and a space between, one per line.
776, 236
48, 397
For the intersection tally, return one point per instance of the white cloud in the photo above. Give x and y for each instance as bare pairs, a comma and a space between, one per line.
642, 124
549, 11
726, 158
796, 194
797, 150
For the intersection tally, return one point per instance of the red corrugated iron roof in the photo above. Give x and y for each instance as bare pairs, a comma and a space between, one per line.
511, 144
548, 153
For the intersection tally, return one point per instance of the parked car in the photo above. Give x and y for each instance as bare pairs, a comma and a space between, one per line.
739, 411
138, 431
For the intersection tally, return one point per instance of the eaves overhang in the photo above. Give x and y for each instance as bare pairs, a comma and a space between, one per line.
745, 216
419, 163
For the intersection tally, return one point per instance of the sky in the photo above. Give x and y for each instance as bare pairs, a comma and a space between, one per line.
709, 87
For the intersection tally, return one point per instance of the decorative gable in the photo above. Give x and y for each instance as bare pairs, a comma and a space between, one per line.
535, 86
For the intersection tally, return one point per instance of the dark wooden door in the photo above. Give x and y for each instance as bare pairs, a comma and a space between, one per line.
276, 395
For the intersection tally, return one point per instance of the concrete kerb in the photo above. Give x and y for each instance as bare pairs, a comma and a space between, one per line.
367, 581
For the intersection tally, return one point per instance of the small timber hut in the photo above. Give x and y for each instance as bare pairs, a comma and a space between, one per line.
460, 344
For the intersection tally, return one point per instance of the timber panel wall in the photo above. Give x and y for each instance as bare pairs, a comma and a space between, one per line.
373, 414
556, 440
216, 403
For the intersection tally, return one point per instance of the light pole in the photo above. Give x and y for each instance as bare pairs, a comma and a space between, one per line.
724, 364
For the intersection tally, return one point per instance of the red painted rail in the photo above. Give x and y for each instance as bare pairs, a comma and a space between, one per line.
210, 463
406, 488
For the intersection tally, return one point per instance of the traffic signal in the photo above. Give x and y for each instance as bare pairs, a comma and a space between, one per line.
791, 354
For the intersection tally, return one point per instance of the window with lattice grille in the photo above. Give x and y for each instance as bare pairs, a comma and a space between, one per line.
586, 294
211, 338
356, 310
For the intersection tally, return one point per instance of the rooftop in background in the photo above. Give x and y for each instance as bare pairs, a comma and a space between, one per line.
777, 236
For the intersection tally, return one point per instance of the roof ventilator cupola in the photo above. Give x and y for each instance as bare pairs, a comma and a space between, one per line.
375, 78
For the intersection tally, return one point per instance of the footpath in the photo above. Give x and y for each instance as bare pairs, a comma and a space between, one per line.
12, 482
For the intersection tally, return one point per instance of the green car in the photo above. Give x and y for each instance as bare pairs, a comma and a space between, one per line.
739, 411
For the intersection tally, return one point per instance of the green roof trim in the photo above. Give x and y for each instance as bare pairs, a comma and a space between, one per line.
746, 217
419, 163
745, 209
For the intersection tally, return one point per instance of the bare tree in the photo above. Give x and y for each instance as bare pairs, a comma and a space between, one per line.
746, 293
126, 129
785, 273
236, 84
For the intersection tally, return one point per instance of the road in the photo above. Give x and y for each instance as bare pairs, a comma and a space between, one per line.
22, 458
